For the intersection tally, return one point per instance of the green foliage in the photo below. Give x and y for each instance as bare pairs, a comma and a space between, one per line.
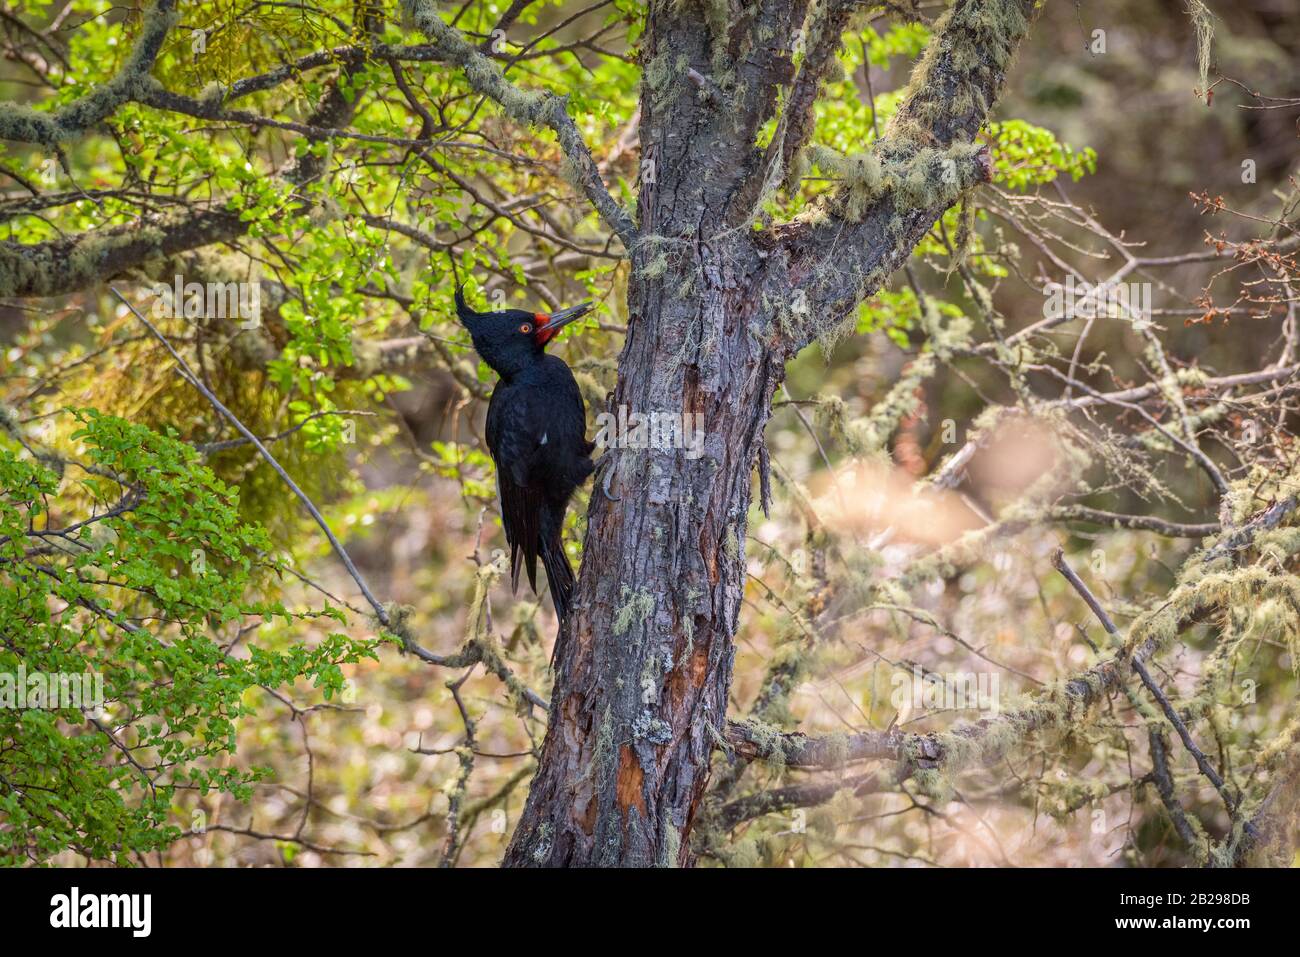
897, 312
906, 40
1026, 155
150, 593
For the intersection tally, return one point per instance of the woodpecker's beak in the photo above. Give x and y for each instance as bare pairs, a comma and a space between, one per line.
555, 321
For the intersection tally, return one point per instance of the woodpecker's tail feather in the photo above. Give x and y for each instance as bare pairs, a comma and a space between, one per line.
559, 576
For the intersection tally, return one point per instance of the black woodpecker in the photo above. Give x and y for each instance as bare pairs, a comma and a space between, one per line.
537, 436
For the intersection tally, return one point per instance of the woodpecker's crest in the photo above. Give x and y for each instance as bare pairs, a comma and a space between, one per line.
510, 339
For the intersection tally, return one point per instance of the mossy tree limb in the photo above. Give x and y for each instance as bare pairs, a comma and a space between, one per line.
51, 129
927, 156
530, 108
61, 266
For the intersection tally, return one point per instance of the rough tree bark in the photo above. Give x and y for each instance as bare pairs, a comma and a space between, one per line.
717, 308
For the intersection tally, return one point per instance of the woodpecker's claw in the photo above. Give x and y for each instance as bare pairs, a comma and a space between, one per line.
604, 487
605, 463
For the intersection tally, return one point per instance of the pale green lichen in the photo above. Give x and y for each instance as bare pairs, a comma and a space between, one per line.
867, 436
51, 268
913, 178
1203, 23
528, 107
972, 51
212, 95
542, 842
604, 757
768, 740
731, 543
719, 16
636, 606
655, 267
658, 73
671, 848
131, 82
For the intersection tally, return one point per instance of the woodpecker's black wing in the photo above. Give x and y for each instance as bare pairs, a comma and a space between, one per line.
565, 454
514, 445
536, 433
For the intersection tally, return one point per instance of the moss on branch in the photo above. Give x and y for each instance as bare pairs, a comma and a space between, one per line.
51, 129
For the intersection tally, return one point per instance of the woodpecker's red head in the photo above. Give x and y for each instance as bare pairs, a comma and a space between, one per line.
511, 339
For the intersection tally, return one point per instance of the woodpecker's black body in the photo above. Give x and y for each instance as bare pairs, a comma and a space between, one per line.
537, 436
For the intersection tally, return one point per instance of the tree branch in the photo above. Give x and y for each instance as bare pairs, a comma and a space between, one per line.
531, 108
26, 125
810, 794
927, 157
61, 266
1202, 762
188, 374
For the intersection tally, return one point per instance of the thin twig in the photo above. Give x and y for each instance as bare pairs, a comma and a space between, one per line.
230, 417
1202, 762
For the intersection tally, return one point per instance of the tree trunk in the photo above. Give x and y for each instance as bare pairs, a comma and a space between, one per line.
641, 688
641, 685
715, 310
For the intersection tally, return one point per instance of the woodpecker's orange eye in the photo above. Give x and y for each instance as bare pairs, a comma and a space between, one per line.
525, 328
